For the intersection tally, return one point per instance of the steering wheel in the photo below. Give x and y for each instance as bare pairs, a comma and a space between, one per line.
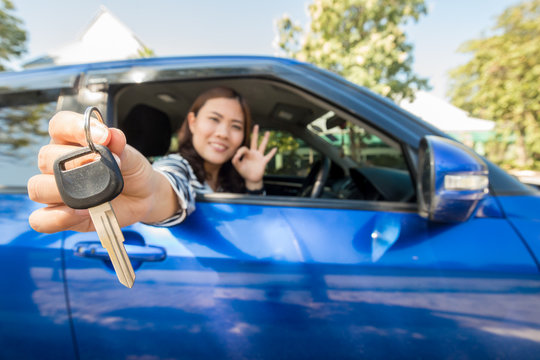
314, 183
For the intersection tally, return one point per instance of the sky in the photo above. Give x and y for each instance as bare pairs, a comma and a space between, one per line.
206, 27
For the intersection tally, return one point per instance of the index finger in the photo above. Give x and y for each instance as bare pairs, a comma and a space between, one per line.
67, 128
264, 142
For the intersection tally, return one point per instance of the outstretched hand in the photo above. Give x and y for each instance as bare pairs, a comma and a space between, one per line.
143, 187
251, 162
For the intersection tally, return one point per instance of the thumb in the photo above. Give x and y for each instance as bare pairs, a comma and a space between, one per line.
117, 142
117, 145
133, 162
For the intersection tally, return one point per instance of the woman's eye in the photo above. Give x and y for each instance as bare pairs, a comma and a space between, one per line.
214, 119
237, 127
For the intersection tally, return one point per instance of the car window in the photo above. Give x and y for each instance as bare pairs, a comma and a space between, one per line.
322, 152
357, 142
364, 165
294, 156
377, 168
23, 130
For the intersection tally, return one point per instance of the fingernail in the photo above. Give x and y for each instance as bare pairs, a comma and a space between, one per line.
100, 133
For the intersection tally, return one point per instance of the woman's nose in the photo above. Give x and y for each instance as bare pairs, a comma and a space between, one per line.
222, 130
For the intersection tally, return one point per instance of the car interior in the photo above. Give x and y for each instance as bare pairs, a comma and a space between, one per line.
322, 151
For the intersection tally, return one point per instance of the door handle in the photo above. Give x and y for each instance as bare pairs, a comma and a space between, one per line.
94, 250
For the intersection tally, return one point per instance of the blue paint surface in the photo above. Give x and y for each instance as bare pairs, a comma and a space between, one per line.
34, 321
240, 279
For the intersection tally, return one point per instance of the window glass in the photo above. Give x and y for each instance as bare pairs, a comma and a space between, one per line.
23, 130
357, 143
293, 158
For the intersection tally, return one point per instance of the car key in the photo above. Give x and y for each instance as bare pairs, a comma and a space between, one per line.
92, 186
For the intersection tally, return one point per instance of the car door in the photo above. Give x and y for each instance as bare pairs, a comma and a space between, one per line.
290, 277
239, 277
34, 317
280, 276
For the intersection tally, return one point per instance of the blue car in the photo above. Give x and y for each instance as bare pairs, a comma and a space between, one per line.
379, 236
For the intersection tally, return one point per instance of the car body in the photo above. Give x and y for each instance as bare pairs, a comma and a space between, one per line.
379, 236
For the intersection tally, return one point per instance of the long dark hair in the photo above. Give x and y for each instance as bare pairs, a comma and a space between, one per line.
228, 178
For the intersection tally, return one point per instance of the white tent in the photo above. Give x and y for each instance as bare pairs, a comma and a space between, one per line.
106, 38
444, 115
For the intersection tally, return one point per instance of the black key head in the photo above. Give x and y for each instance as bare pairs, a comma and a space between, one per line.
91, 184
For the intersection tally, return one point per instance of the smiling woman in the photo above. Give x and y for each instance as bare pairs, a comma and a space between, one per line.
213, 153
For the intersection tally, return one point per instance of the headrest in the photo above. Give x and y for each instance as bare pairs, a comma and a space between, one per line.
148, 130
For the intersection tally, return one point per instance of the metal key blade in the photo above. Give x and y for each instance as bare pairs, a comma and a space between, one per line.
112, 240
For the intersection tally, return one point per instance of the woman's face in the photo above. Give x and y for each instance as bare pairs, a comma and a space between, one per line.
218, 130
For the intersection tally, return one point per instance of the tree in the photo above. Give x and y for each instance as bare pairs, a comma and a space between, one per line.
23, 127
501, 82
12, 36
361, 40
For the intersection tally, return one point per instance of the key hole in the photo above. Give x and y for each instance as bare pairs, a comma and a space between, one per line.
80, 161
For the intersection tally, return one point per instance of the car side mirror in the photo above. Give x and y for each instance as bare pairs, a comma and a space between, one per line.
452, 179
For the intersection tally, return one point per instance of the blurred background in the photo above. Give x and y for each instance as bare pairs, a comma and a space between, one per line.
472, 68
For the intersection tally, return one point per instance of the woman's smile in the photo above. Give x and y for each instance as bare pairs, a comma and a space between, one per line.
218, 130
218, 146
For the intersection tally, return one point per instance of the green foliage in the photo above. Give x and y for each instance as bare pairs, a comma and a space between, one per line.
501, 82
361, 40
22, 127
288, 156
283, 141
145, 52
12, 36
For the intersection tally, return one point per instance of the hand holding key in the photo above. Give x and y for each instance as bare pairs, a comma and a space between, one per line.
147, 196
93, 185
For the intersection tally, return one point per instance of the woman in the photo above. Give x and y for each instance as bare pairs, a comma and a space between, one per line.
213, 156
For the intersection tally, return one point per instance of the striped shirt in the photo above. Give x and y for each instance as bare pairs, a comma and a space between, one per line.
184, 182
